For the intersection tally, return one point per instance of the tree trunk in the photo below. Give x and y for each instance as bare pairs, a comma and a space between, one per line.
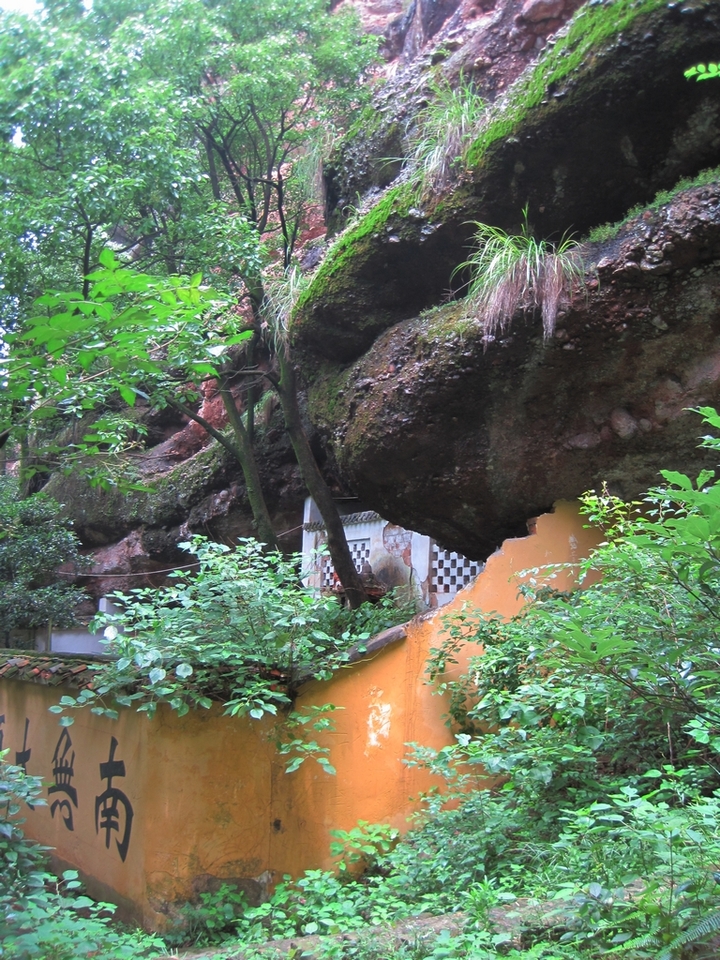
243, 453
317, 488
249, 468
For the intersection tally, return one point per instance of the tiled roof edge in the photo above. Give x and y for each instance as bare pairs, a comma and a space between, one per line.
52, 670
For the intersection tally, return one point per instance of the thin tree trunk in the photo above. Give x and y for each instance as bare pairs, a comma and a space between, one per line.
23, 466
252, 394
249, 468
317, 488
212, 169
243, 453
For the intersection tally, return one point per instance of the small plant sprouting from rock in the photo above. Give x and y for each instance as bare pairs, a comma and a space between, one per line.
608, 231
281, 295
510, 273
445, 128
702, 71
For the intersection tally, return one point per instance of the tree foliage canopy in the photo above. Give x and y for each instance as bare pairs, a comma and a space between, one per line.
162, 130
181, 137
34, 542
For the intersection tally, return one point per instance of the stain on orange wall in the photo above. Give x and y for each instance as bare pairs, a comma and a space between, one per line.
209, 796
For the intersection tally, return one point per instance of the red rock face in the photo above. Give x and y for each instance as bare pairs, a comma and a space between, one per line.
537, 10
375, 15
409, 28
489, 42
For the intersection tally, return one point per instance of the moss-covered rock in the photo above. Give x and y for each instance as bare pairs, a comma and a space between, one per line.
204, 493
465, 440
601, 122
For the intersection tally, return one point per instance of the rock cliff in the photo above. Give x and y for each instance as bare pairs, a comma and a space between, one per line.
440, 431
465, 440
588, 115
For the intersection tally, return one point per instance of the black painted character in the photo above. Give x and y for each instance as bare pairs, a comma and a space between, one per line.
63, 772
110, 805
22, 756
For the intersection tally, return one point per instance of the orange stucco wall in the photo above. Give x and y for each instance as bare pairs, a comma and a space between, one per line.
209, 795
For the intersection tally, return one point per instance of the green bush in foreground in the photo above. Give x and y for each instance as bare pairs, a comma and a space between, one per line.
34, 541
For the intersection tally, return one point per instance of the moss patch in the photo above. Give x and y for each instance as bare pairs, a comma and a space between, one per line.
608, 231
578, 45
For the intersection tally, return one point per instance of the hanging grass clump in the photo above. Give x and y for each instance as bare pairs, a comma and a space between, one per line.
512, 273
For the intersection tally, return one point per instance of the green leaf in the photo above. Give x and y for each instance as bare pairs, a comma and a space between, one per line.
107, 259
128, 394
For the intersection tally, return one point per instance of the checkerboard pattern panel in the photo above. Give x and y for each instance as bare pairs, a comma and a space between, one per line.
360, 553
451, 571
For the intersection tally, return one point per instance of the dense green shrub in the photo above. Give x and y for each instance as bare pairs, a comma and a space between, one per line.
34, 541
241, 629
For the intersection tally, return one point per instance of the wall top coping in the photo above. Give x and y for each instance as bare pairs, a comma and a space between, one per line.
52, 671
78, 671
367, 516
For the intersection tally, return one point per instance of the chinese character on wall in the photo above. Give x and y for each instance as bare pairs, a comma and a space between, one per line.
113, 810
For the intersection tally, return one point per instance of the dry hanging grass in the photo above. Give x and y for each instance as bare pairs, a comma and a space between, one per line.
511, 273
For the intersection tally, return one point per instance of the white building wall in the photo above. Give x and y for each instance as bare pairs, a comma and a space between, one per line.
398, 557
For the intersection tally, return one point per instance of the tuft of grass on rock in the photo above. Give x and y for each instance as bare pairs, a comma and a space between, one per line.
511, 273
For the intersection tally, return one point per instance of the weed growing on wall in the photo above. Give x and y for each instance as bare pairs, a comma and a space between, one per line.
241, 629
443, 131
702, 71
511, 273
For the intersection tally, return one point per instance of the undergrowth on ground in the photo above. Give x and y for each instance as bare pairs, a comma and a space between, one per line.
45, 917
